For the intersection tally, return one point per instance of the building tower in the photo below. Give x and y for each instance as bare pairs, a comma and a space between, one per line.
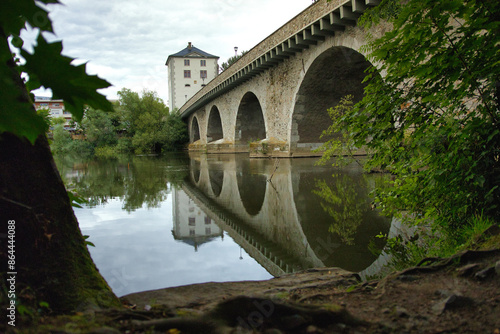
189, 70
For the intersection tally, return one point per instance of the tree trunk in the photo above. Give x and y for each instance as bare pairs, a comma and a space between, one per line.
51, 259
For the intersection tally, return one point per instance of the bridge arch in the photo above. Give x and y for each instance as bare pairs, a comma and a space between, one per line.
214, 125
250, 123
335, 73
195, 130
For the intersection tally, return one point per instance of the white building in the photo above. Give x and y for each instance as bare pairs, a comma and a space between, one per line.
188, 71
55, 107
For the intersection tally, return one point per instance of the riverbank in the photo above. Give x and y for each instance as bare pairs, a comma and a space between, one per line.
460, 294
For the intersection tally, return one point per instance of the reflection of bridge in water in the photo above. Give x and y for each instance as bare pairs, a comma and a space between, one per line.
281, 224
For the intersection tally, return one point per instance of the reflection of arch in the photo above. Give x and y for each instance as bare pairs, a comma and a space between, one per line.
337, 72
338, 209
195, 170
251, 185
214, 130
195, 130
250, 125
216, 180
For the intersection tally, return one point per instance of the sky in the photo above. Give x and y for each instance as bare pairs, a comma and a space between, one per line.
127, 42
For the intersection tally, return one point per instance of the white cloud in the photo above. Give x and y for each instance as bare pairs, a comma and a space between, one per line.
127, 41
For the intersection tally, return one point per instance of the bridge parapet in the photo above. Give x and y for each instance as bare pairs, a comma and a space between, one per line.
312, 25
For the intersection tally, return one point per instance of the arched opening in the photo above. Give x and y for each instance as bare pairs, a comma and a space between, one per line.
195, 130
337, 72
214, 131
250, 125
252, 183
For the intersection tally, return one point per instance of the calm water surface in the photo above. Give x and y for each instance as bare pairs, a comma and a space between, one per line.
167, 221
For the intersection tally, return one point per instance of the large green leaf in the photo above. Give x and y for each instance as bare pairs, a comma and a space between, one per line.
14, 15
47, 67
17, 114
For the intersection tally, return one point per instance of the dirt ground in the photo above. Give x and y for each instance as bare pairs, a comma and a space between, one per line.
456, 295
460, 294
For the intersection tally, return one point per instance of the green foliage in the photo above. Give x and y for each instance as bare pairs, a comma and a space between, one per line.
88, 243
340, 145
231, 61
57, 121
433, 120
148, 122
344, 205
46, 66
98, 127
425, 243
45, 114
140, 181
61, 142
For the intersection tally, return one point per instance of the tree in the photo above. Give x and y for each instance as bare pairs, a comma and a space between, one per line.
48, 251
433, 118
231, 60
150, 124
98, 127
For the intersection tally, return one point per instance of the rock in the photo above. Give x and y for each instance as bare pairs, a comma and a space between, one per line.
467, 270
408, 278
401, 312
485, 273
451, 302
293, 321
312, 329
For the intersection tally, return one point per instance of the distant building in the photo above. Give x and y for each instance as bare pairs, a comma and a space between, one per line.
56, 108
188, 71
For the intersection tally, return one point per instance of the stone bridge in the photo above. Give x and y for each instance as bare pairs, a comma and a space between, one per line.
273, 101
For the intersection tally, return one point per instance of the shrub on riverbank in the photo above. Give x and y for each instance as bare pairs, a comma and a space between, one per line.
432, 119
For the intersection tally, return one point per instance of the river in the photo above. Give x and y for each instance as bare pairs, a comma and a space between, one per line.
180, 219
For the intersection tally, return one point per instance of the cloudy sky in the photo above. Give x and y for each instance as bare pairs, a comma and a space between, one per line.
128, 41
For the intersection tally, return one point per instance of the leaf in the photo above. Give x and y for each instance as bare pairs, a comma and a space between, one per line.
47, 67
76, 200
17, 114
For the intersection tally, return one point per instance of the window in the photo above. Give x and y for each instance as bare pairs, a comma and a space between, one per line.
203, 74
203, 63
208, 231
186, 62
56, 104
187, 74
187, 85
192, 221
208, 221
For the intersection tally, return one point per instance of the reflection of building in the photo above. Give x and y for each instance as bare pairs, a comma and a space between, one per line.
191, 224
188, 71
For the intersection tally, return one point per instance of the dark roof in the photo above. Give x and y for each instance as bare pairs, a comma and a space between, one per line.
190, 49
